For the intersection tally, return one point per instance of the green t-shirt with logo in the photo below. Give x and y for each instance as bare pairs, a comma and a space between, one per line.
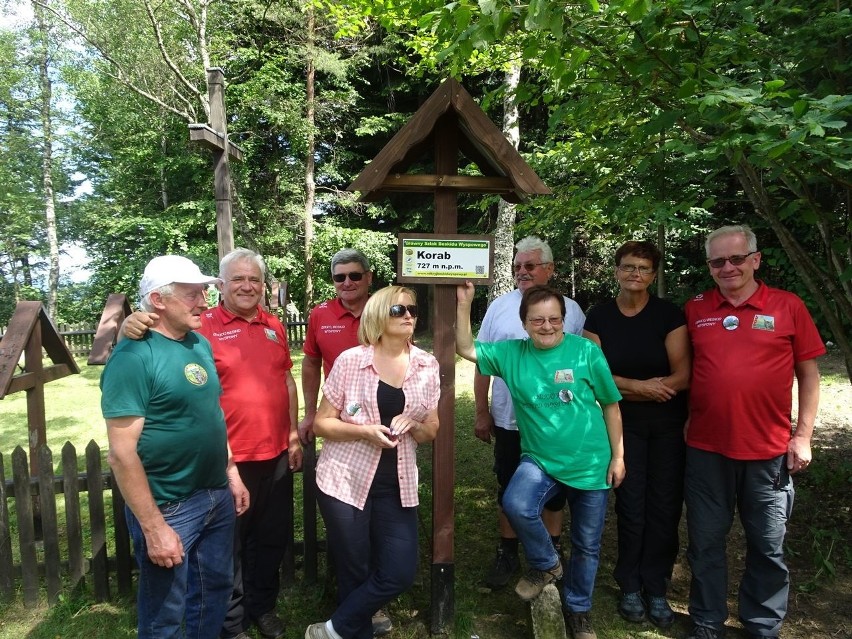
172, 384
558, 393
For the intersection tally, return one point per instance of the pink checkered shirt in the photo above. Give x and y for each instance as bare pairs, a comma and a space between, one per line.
346, 469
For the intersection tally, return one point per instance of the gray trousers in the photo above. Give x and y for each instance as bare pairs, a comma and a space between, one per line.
762, 493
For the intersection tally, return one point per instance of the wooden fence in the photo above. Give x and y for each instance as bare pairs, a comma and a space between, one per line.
91, 541
79, 338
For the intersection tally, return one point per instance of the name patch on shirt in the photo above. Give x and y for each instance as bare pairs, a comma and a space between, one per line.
764, 323
332, 328
564, 376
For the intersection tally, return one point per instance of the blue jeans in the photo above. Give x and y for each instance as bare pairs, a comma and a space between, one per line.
523, 501
374, 552
197, 591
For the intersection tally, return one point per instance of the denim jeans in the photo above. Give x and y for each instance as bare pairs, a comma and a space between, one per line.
523, 501
196, 591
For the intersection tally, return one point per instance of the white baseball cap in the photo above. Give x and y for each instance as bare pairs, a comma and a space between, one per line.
171, 269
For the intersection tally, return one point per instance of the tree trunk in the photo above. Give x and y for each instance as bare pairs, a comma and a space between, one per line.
43, 60
310, 185
505, 227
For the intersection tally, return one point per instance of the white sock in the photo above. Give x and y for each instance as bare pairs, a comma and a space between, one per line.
330, 628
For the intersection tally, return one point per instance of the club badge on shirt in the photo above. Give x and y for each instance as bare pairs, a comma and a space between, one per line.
564, 376
764, 323
731, 323
195, 374
270, 334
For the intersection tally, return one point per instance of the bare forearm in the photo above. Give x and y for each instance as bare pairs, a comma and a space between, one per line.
311, 375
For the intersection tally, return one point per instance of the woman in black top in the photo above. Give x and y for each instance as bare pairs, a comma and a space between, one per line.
646, 345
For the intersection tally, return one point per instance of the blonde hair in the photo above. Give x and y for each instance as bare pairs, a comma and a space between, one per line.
376, 314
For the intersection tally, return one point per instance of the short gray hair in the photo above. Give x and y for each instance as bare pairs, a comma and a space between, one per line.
347, 256
738, 229
533, 243
238, 255
164, 291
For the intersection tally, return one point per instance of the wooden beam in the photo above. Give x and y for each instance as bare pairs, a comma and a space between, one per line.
26, 381
428, 183
210, 139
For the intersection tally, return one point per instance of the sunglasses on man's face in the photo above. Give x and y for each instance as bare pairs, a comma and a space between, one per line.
398, 310
354, 276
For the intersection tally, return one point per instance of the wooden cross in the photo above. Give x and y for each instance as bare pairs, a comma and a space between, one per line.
215, 137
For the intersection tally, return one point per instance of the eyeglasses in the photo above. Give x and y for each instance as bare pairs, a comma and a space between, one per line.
736, 260
528, 266
398, 310
632, 268
355, 276
539, 321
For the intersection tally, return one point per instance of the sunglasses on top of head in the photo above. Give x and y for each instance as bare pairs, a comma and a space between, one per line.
354, 276
398, 310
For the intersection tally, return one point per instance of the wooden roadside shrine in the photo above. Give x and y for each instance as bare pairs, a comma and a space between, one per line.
214, 136
447, 124
30, 330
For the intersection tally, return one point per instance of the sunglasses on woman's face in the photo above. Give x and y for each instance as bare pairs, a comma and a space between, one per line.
355, 276
398, 310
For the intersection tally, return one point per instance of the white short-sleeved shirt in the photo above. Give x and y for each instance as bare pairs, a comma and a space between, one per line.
502, 321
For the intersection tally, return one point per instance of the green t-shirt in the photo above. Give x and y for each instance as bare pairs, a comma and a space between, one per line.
556, 393
172, 384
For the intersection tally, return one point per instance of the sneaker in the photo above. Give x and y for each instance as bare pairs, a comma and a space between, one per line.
506, 564
382, 623
703, 632
659, 611
317, 631
631, 607
534, 581
270, 625
580, 625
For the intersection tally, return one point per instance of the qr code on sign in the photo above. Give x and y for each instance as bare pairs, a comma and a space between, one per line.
480, 270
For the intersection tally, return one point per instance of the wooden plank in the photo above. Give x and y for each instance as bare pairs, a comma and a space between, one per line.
116, 309
36, 419
7, 584
97, 522
123, 557
309, 510
424, 183
50, 527
210, 139
15, 341
26, 529
73, 520
27, 381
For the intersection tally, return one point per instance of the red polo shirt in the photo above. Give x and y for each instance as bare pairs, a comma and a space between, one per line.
251, 359
740, 397
331, 330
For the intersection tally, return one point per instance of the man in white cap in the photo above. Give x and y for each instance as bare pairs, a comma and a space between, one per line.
169, 455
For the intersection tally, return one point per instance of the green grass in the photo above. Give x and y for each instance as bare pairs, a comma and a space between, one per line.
74, 414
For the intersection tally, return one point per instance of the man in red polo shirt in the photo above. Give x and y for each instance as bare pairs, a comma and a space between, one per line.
748, 341
333, 327
260, 402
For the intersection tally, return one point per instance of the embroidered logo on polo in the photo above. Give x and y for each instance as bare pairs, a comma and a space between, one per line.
270, 334
195, 374
764, 323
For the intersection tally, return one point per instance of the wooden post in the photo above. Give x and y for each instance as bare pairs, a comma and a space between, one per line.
215, 138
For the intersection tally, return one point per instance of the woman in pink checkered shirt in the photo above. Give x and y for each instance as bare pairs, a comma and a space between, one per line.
379, 402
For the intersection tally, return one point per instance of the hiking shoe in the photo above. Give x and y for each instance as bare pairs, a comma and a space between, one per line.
317, 631
382, 623
703, 632
659, 611
580, 625
534, 581
631, 607
506, 564
270, 625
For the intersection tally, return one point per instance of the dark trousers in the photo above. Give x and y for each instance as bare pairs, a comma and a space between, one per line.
374, 552
259, 543
649, 504
762, 492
